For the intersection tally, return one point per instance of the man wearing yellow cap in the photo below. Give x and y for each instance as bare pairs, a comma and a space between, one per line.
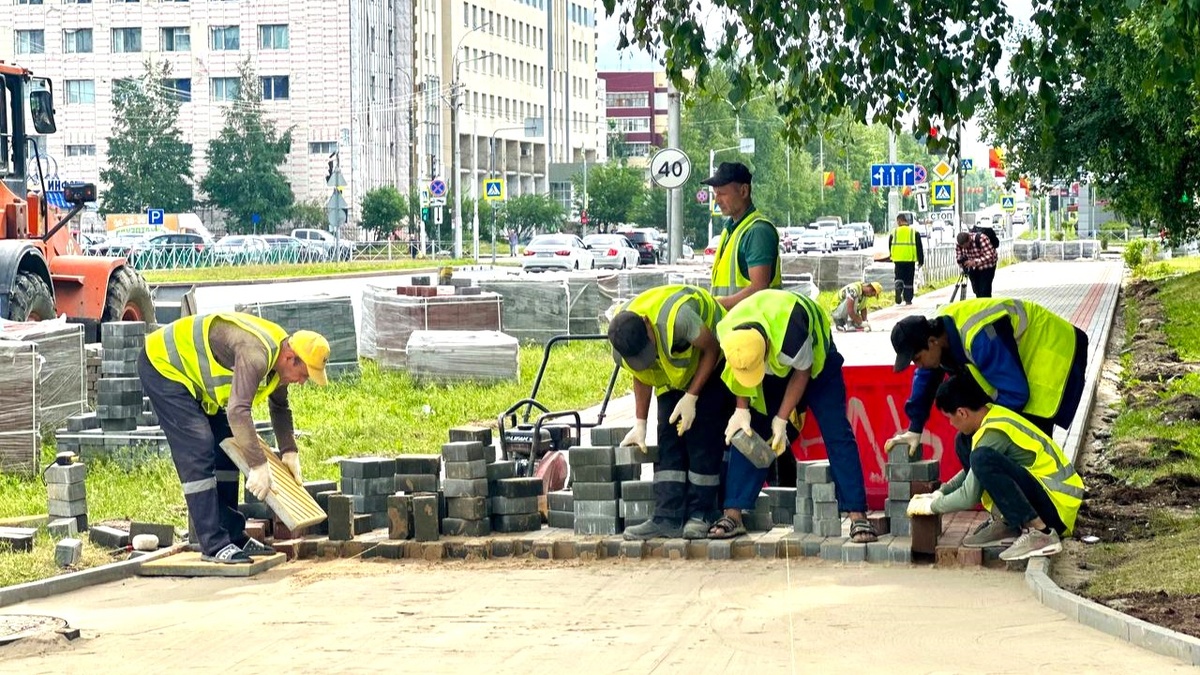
202, 375
780, 359
851, 312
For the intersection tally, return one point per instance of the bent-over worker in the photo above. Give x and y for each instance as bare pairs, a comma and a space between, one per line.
851, 312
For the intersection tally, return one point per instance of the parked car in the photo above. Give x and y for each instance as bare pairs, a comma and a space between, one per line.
814, 241
334, 248
710, 251
116, 246
286, 249
556, 251
646, 243
866, 234
612, 250
789, 238
236, 249
845, 239
170, 251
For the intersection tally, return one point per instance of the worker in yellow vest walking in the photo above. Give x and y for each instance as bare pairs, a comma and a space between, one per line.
1015, 470
907, 254
202, 375
666, 338
747, 259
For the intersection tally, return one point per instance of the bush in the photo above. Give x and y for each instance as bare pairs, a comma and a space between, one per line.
1103, 241
1139, 253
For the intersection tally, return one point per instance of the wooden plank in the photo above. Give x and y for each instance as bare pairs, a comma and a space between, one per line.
189, 564
287, 498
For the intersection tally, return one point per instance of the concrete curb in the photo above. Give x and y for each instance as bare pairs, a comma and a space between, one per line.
74, 581
287, 280
1107, 620
1078, 435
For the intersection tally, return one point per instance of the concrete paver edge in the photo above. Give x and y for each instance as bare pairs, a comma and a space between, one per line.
65, 583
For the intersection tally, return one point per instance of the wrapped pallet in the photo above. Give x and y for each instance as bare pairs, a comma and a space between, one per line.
62, 389
460, 356
389, 319
19, 433
331, 316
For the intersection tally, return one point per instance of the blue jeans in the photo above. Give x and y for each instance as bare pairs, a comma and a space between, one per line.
825, 398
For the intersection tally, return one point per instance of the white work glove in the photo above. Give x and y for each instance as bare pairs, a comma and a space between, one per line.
292, 461
779, 435
921, 505
739, 421
910, 438
636, 435
684, 413
259, 480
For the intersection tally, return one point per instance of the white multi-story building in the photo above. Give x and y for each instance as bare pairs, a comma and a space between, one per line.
514, 60
337, 73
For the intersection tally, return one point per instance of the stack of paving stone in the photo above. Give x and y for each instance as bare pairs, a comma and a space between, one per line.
760, 518
61, 387
468, 506
637, 502
368, 481
596, 479
460, 356
418, 473
67, 494
816, 500
332, 317
782, 501
906, 478
94, 357
514, 504
562, 509
20, 437
119, 391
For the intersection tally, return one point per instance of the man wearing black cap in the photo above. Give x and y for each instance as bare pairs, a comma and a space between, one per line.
665, 338
1025, 358
747, 258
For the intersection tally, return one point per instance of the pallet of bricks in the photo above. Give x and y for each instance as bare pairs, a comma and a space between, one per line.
331, 316
390, 315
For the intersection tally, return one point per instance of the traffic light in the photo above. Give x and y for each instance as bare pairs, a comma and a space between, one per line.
424, 213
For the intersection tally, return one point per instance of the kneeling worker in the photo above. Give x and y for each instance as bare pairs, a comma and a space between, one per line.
202, 374
780, 359
851, 312
1017, 471
665, 338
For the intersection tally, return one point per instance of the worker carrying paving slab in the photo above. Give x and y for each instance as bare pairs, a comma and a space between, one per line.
780, 360
1013, 468
202, 375
666, 338
851, 312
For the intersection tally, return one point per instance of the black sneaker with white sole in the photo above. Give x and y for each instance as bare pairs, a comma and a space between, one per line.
230, 555
256, 549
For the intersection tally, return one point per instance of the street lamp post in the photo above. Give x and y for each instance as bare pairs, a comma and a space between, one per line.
456, 144
491, 174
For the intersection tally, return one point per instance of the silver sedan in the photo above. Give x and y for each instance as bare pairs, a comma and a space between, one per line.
612, 250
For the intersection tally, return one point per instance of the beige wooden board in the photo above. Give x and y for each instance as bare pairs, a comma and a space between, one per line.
287, 498
189, 564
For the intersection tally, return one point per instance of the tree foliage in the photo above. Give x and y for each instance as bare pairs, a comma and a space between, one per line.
309, 213
148, 163
539, 213
383, 209
613, 192
243, 177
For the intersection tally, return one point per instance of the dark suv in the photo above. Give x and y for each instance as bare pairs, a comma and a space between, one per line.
648, 247
170, 251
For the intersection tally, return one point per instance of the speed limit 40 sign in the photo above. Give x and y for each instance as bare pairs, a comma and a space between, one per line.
670, 168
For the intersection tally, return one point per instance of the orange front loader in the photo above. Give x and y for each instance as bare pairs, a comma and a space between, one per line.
43, 273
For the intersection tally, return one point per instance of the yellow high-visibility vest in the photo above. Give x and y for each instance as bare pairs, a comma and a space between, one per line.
727, 277
672, 370
904, 244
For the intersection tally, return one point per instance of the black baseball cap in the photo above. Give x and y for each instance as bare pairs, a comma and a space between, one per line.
910, 336
729, 172
631, 340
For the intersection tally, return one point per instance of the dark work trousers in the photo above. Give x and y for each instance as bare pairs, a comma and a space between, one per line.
905, 273
981, 281
209, 476
825, 398
1018, 495
687, 474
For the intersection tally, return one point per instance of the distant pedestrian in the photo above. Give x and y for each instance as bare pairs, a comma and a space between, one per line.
512, 242
977, 256
907, 255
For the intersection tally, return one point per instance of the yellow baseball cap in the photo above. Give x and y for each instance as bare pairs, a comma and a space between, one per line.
878, 287
313, 350
746, 353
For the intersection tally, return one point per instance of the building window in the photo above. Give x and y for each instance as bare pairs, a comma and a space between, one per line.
226, 38
626, 125
224, 88
29, 2
637, 149
177, 39
31, 42
273, 36
275, 87
81, 151
322, 148
81, 91
180, 88
77, 41
391, 42
627, 99
126, 40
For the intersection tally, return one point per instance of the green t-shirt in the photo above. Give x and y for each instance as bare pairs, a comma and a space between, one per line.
759, 245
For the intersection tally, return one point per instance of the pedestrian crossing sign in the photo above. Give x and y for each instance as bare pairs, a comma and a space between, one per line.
493, 189
713, 207
1008, 203
942, 193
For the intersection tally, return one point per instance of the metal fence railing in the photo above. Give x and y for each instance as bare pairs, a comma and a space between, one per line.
191, 256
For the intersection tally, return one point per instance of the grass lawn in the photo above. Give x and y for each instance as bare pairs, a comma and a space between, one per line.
19, 568
382, 413
251, 272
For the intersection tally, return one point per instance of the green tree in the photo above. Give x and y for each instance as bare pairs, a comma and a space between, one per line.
613, 190
651, 210
539, 213
310, 214
148, 165
383, 208
243, 176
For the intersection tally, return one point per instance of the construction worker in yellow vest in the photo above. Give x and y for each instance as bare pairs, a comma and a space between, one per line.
747, 259
202, 375
907, 254
1016, 471
780, 360
1027, 358
666, 338
851, 312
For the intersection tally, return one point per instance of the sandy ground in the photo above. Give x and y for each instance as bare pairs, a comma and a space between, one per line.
601, 617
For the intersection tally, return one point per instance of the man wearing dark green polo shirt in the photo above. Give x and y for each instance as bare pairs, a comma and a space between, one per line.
747, 259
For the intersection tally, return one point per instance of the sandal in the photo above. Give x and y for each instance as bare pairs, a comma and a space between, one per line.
861, 532
726, 528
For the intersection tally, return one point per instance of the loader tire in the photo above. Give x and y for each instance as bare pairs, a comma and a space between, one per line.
128, 298
31, 299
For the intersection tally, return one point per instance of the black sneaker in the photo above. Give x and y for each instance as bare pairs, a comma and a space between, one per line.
230, 555
256, 549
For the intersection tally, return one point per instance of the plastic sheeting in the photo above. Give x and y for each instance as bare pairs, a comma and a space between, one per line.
331, 316
62, 390
19, 365
389, 319
457, 356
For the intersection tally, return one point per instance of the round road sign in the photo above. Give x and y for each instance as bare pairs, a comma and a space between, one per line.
702, 196
670, 168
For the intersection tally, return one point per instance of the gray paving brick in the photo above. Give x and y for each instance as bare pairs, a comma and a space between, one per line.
369, 503
61, 509
513, 505
804, 506
459, 527
810, 545
633, 550
561, 500
399, 511
803, 491
597, 525
359, 467
590, 456
68, 552
831, 548
609, 508
767, 546
612, 547
853, 552
70, 473
66, 492
783, 515
425, 517
899, 455
525, 522
62, 528
362, 523
901, 527
758, 520
637, 511
430, 465
915, 471
780, 495
562, 519
633, 455
594, 474
827, 527
877, 551
468, 508
720, 549
165, 533
596, 491
465, 488
900, 491
341, 517
468, 434
501, 470
467, 470
519, 487
378, 520
637, 490
675, 549
818, 472
802, 523
900, 550
466, 451
824, 492
108, 537
826, 511
18, 539
608, 435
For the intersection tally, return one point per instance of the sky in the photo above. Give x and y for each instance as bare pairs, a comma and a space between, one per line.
633, 59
